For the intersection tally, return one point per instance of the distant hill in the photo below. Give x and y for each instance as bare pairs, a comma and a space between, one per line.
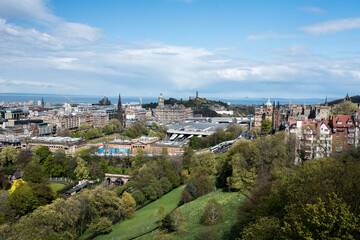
354, 99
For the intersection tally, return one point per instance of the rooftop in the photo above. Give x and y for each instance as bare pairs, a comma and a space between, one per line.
56, 139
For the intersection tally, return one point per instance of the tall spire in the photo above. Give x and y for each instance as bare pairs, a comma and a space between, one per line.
120, 113
326, 102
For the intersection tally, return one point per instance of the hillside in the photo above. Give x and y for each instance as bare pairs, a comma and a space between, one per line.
354, 99
193, 211
144, 220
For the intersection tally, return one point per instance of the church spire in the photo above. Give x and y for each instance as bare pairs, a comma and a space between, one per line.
120, 113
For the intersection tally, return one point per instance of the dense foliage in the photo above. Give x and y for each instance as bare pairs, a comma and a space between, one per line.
67, 219
88, 132
314, 200
220, 135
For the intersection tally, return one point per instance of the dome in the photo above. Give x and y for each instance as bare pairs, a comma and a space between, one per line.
268, 103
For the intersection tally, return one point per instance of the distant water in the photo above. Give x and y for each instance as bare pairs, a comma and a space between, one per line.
55, 98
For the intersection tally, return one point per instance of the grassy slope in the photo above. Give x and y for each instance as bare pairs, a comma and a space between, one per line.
105, 138
144, 219
192, 213
57, 186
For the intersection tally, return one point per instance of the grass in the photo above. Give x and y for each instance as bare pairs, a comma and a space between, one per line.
145, 219
193, 211
57, 186
106, 138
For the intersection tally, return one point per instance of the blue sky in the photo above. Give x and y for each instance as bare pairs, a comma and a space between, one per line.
228, 48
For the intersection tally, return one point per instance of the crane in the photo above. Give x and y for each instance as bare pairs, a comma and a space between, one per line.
66, 98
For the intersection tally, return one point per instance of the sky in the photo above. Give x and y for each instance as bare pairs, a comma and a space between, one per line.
222, 48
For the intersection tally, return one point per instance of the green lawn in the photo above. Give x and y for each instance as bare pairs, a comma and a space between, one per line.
193, 211
106, 138
57, 186
144, 219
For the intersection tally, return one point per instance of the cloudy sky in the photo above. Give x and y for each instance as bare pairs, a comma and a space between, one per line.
223, 48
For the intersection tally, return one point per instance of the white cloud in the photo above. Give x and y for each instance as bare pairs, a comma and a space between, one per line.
332, 26
71, 56
21, 83
77, 31
269, 34
314, 10
33, 10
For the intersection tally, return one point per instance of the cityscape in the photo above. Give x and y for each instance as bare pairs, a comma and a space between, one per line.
179, 119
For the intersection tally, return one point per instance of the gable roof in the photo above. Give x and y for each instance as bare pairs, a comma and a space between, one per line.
344, 119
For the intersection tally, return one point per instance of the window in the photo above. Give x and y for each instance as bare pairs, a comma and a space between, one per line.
337, 134
350, 141
349, 122
351, 135
338, 148
337, 141
339, 122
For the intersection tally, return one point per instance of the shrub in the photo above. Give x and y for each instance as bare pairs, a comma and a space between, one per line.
103, 226
213, 213
185, 196
139, 197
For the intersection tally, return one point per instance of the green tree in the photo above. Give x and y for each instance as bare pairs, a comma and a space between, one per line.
161, 211
23, 200
44, 193
326, 219
33, 172
23, 158
128, 205
103, 226
42, 152
344, 108
178, 220
55, 164
150, 193
165, 184
195, 142
264, 228
167, 223
116, 124
266, 126
81, 171
8, 155
213, 213
139, 197
205, 160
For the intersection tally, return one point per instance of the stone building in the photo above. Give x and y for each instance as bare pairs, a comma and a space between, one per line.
262, 113
344, 132
171, 113
149, 145
309, 139
70, 145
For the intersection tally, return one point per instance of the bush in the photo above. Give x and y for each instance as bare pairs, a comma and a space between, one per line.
185, 196
204, 185
139, 197
167, 223
192, 190
213, 213
103, 226
165, 184
150, 193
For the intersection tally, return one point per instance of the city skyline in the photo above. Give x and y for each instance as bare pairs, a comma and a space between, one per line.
233, 49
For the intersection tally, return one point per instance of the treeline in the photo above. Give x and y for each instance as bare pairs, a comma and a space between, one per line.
317, 199
38, 165
88, 132
67, 219
221, 135
152, 177
198, 169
